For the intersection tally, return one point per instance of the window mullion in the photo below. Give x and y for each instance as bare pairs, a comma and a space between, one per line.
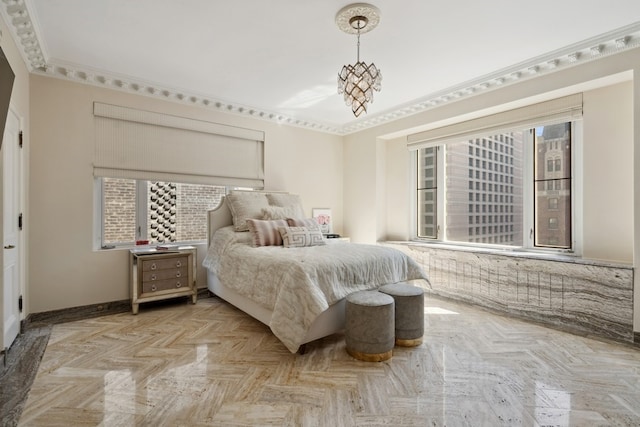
441, 192
100, 206
141, 210
528, 190
576, 186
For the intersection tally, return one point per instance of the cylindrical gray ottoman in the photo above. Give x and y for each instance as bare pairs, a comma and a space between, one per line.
369, 326
409, 317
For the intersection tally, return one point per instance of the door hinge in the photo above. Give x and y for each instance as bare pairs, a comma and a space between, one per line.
20, 303
20, 221
20, 139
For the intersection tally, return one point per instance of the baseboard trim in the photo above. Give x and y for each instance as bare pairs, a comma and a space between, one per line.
72, 314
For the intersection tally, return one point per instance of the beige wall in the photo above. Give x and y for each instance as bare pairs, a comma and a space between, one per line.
609, 219
64, 270
608, 173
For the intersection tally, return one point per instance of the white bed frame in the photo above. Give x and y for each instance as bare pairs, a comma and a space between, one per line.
327, 323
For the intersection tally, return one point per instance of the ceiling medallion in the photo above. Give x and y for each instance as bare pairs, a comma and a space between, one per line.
357, 82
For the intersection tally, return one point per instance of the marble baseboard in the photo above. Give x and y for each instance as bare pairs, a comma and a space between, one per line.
589, 297
75, 313
93, 310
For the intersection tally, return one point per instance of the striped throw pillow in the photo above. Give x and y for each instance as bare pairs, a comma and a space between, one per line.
266, 233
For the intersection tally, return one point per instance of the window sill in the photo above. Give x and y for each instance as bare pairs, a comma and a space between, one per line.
512, 252
129, 247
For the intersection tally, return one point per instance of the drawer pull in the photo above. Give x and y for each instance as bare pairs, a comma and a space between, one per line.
153, 277
154, 266
178, 274
153, 288
178, 263
178, 284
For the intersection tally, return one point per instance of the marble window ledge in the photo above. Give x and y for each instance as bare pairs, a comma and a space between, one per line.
583, 295
511, 252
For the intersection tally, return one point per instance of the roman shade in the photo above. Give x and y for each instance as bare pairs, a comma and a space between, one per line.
137, 144
558, 110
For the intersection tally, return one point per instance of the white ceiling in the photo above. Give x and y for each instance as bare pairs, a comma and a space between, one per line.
281, 57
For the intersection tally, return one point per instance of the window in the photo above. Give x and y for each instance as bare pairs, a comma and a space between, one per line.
155, 211
553, 195
541, 218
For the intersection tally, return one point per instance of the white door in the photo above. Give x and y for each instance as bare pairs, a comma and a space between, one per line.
10, 151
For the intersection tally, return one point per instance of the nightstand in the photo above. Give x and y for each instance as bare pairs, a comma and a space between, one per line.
160, 274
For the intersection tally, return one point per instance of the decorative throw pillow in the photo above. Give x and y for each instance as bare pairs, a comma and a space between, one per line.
288, 201
303, 222
297, 237
244, 205
266, 233
279, 212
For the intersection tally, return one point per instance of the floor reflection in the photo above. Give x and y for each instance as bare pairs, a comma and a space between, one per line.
210, 364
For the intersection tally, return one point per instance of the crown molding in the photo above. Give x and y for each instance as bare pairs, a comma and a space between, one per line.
597, 47
18, 19
25, 34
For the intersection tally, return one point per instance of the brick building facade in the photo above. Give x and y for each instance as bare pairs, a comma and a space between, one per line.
175, 212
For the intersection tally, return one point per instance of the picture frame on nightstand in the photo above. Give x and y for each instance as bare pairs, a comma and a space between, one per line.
324, 219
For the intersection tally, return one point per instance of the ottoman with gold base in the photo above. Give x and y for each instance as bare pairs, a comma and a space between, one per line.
409, 313
369, 326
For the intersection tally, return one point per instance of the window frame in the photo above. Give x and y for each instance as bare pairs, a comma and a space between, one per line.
141, 215
528, 229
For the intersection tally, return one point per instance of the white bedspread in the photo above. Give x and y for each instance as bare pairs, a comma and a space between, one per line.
298, 284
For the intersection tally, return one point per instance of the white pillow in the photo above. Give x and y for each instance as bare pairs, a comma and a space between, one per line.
297, 237
245, 205
286, 200
279, 212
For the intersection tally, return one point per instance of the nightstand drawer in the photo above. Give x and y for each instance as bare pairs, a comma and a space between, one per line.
163, 285
166, 263
170, 273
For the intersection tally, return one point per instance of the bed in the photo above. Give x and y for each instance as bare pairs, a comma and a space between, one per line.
299, 292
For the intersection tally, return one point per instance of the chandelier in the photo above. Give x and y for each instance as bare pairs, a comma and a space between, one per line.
357, 82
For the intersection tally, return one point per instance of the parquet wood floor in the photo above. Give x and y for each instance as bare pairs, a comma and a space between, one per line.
210, 364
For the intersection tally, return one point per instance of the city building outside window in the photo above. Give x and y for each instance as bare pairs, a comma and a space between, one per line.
538, 158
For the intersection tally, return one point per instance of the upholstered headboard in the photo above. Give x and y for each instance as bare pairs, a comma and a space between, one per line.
218, 218
221, 216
